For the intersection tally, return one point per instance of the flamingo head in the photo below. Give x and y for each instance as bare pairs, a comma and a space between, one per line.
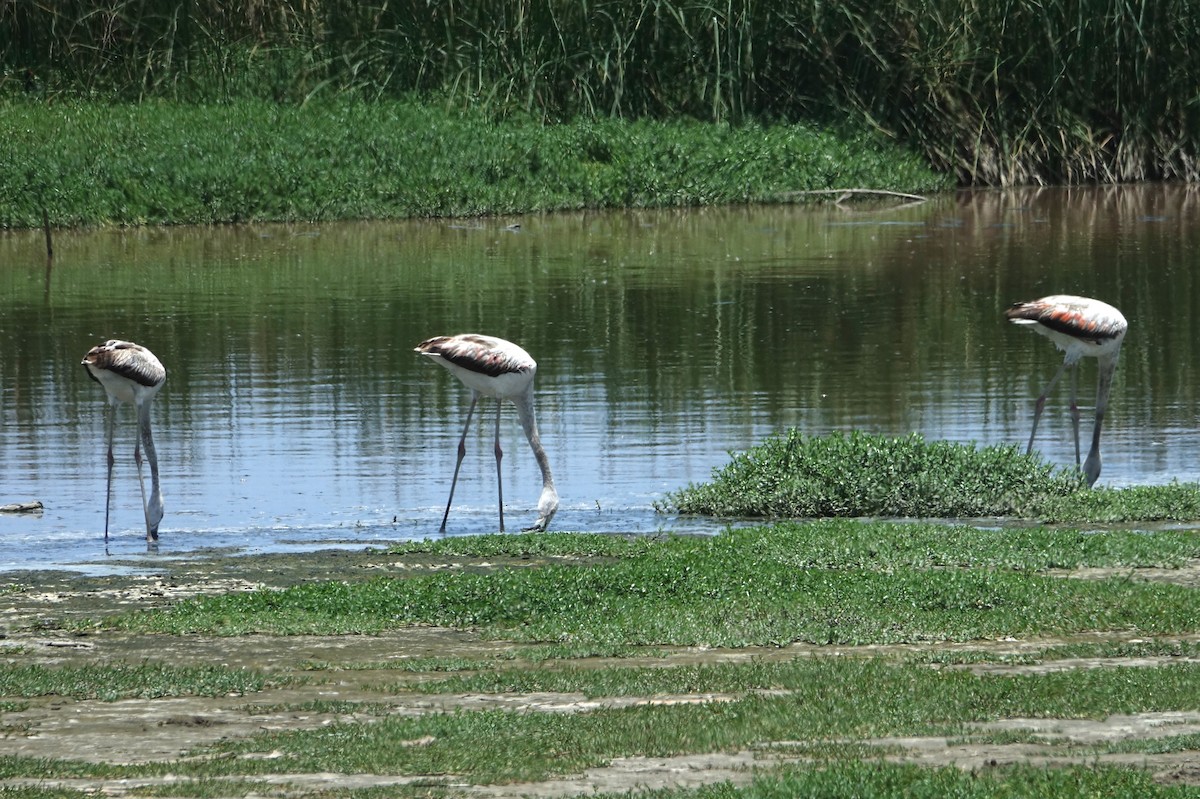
154, 514
547, 507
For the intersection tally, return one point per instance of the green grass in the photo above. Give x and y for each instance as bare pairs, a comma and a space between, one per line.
724, 678
123, 681
41, 792
1158, 648
792, 475
229, 787
1009, 93
836, 581
873, 780
94, 163
832, 703
490, 672
837, 544
835, 779
826, 699
827, 583
838, 778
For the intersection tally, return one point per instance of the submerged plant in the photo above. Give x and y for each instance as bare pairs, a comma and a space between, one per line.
793, 475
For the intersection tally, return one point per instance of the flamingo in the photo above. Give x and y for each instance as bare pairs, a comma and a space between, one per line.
493, 367
1079, 326
131, 374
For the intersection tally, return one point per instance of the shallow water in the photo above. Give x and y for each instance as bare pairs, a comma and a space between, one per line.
295, 411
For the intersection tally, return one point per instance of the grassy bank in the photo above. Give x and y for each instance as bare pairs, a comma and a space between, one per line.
91, 163
997, 636
824, 583
1007, 93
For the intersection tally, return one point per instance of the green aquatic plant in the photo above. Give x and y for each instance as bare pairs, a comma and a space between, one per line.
860, 474
791, 475
1172, 502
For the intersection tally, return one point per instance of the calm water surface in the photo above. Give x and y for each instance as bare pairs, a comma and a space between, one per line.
295, 412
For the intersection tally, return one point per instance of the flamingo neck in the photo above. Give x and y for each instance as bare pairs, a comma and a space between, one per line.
1091, 467
154, 505
548, 501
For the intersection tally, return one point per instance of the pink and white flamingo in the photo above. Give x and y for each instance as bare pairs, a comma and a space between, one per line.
130, 374
493, 367
1079, 326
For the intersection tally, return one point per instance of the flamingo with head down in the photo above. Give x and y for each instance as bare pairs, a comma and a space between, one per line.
493, 367
130, 374
1080, 327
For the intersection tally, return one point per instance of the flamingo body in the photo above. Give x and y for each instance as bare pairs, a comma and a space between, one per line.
1079, 327
130, 374
494, 367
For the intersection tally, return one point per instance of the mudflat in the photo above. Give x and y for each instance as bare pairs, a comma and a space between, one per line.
347, 672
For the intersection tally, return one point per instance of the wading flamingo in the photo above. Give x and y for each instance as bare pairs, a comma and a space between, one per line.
131, 374
493, 367
1079, 326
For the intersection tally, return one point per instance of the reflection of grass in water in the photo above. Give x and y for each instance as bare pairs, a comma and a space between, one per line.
792, 475
831, 582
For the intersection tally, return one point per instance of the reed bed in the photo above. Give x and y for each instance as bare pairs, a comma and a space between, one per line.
1011, 92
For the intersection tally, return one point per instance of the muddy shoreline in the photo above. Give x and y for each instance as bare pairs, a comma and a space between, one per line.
352, 669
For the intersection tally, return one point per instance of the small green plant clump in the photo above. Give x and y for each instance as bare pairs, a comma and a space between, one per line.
793, 475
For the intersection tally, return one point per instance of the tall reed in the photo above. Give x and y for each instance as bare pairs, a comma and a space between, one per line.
1005, 92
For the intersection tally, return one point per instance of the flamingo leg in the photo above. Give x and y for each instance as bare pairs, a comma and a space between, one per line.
110, 424
1041, 404
499, 455
462, 452
1091, 467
